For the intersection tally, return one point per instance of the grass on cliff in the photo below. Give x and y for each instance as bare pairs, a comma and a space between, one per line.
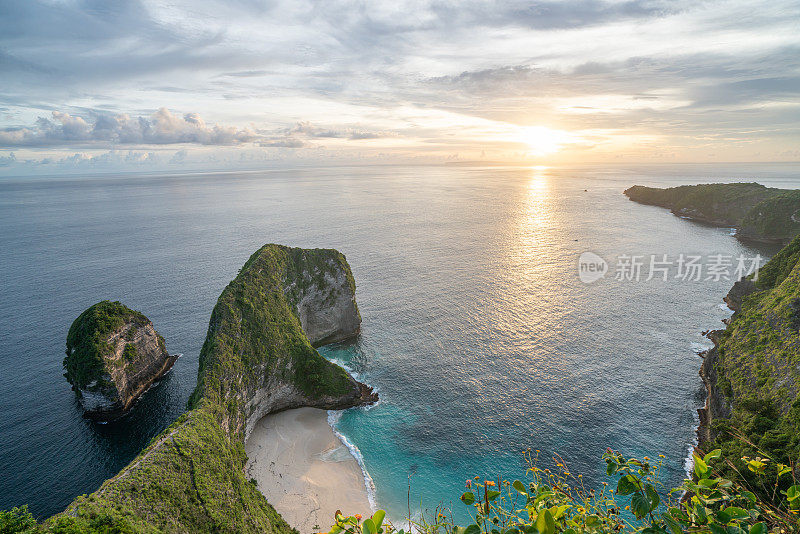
779, 267
774, 216
254, 331
86, 340
729, 202
759, 370
190, 479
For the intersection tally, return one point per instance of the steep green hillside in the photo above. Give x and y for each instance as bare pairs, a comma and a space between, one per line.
777, 217
760, 213
255, 339
755, 378
256, 359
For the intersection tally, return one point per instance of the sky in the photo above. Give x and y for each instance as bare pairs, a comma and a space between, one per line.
249, 83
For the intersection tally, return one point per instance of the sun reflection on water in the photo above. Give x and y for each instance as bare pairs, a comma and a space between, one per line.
537, 212
533, 276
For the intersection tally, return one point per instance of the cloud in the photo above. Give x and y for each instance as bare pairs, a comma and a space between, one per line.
291, 74
179, 157
309, 130
5, 161
161, 128
288, 142
357, 135
246, 73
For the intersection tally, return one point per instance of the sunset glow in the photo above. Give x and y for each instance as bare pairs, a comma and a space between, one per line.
542, 141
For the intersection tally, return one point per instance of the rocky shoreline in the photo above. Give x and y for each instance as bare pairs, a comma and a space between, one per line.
717, 405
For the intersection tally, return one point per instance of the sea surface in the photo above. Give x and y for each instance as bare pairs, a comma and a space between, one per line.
478, 333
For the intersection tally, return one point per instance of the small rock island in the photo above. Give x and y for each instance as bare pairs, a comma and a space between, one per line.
114, 354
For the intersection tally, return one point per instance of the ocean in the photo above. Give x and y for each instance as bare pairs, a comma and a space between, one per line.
479, 334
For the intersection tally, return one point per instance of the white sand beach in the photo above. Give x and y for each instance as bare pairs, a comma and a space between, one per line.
304, 470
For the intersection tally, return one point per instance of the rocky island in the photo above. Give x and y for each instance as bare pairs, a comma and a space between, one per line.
759, 213
257, 359
114, 354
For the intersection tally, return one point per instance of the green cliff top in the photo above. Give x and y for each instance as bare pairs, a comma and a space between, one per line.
254, 328
759, 212
759, 368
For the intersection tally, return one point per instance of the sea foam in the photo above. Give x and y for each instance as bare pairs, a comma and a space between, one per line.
333, 418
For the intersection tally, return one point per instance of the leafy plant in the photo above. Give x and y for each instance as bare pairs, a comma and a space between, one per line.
558, 503
16, 520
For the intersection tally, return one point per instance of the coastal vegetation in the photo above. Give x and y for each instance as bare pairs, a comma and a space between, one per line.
757, 368
114, 354
554, 502
252, 330
777, 217
759, 213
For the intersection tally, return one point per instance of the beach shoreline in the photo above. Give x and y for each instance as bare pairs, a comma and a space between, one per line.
304, 470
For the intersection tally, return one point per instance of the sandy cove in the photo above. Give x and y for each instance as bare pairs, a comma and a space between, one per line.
304, 470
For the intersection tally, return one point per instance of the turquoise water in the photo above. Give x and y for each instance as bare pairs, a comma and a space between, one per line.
478, 334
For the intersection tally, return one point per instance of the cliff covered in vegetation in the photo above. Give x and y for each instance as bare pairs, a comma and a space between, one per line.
256, 359
753, 372
113, 355
759, 213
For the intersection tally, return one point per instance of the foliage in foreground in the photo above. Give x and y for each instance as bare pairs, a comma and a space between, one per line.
637, 502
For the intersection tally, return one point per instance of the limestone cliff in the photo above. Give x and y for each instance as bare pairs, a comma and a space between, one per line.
258, 328
114, 354
327, 311
256, 359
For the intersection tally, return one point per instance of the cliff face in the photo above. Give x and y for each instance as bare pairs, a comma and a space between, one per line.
717, 405
759, 213
328, 311
741, 289
258, 355
256, 359
114, 354
752, 374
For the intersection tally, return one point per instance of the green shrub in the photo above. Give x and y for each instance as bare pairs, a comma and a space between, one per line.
636, 502
16, 520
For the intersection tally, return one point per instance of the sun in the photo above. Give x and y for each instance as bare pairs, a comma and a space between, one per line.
542, 141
